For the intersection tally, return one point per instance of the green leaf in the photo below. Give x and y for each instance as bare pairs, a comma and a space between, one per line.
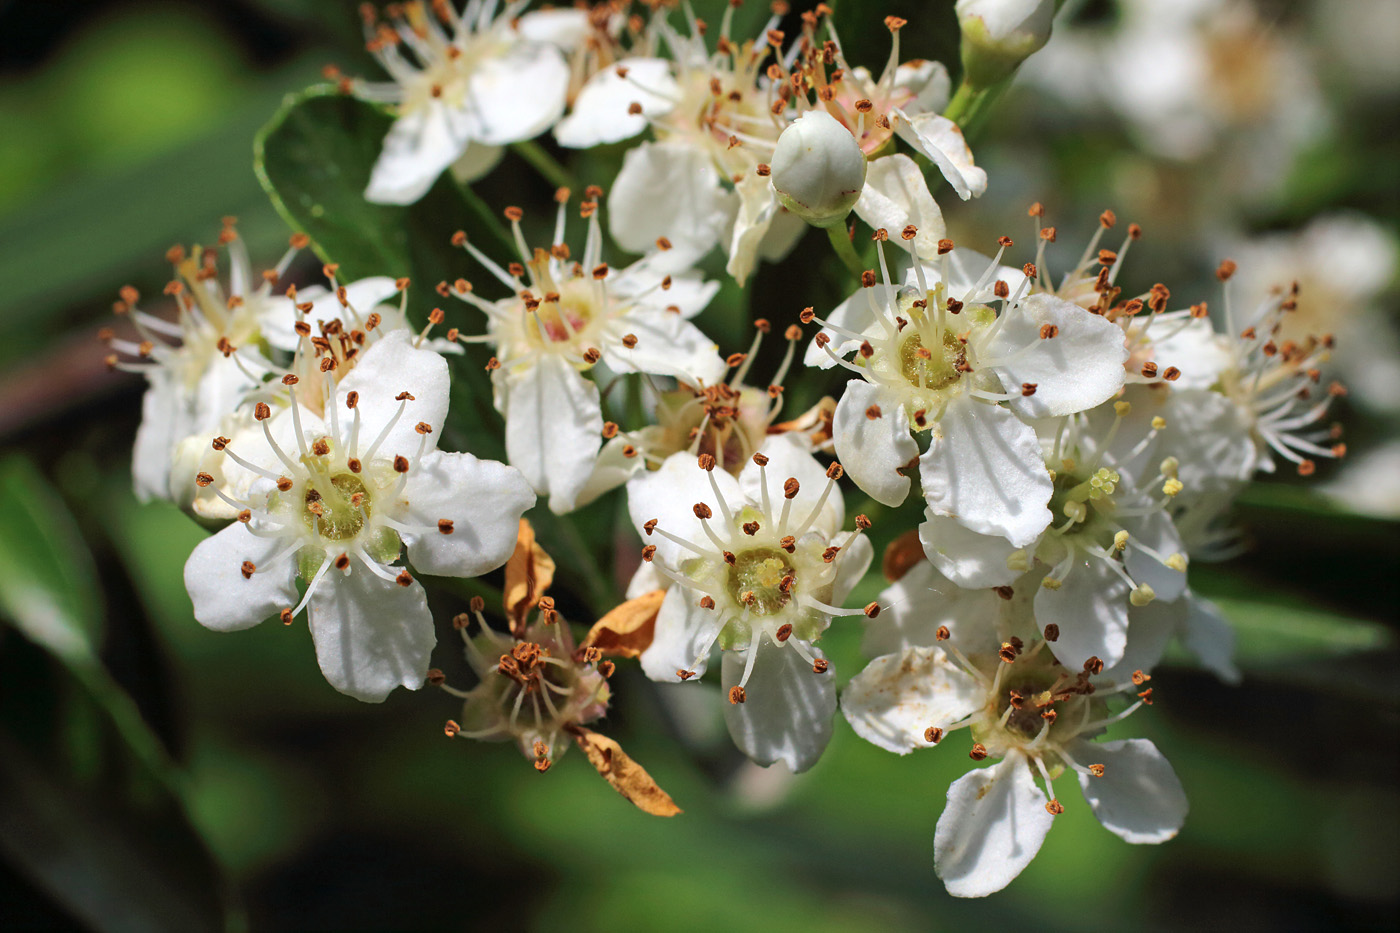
1274, 627
314, 159
47, 579
93, 814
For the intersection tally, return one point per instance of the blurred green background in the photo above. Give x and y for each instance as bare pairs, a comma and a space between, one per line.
155, 775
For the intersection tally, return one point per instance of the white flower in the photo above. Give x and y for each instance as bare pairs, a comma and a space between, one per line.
818, 169
1040, 718
560, 322
936, 356
761, 572
1115, 546
339, 498
463, 83
201, 365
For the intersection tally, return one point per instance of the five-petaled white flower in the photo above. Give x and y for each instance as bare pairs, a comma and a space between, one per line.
337, 500
471, 82
563, 318
761, 572
1040, 718
935, 357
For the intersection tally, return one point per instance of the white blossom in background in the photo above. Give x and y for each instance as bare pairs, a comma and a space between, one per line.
757, 565
565, 317
338, 499
464, 84
195, 381
1021, 706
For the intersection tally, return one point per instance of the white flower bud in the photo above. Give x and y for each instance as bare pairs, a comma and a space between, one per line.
997, 35
818, 169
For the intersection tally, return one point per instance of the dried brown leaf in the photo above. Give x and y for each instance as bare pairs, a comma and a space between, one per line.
902, 554
529, 572
627, 630
626, 776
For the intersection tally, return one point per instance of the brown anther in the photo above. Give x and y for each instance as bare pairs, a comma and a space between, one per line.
834, 472
706, 462
320, 447
1149, 370
867, 279
1049, 716
1028, 389
1007, 653
203, 480
299, 240
354, 465
1001, 289
400, 464
284, 483
1048, 234
1108, 219
1005, 592
342, 562
1171, 374
933, 735
942, 634
1307, 468
830, 553
1146, 696
445, 526
791, 487
1054, 808
783, 633
702, 511
1139, 678
1093, 665
750, 528
788, 543
261, 411
737, 694
404, 578
1048, 331
979, 751
248, 568
871, 610
1225, 270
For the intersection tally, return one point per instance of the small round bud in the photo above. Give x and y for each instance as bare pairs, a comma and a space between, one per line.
818, 169
997, 35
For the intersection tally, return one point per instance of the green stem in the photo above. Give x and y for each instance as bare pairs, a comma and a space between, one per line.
841, 242
964, 101
550, 168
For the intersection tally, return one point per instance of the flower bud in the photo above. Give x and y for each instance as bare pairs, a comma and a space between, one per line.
997, 35
818, 169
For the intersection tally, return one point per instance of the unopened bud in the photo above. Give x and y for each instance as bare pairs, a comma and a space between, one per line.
818, 169
997, 35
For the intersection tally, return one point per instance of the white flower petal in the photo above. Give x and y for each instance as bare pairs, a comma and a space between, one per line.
689, 292
757, 206
390, 367
371, 634
419, 145
1156, 531
872, 450
476, 161
918, 603
554, 427
1150, 628
983, 467
928, 80
516, 95
899, 696
854, 314
1139, 798
482, 499
157, 437
1197, 350
611, 470
565, 28
993, 825
226, 601
787, 714
896, 195
601, 112
669, 495
667, 345
680, 177
941, 141
684, 632
965, 557
789, 458
1091, 609
1074, 371
1210, 638
856, 555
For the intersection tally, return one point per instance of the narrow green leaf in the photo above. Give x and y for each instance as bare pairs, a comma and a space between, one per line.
48, 584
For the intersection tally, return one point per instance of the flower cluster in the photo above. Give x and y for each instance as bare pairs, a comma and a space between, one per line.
1075, 446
